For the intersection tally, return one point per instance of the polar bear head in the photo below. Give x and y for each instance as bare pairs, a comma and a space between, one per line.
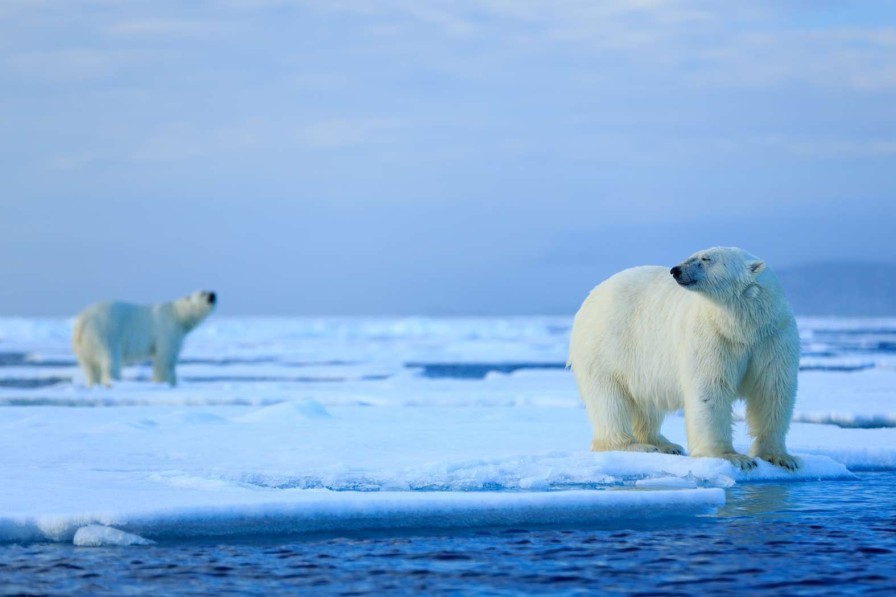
722, 273
192, 309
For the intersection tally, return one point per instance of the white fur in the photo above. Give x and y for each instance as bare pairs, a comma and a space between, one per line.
112, 334
644, 345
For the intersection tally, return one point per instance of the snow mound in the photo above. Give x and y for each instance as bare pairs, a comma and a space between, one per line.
96, 535
286, 412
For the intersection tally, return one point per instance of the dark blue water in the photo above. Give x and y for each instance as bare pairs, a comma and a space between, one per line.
796, 538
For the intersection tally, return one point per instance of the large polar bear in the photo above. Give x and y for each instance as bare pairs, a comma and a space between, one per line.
716, 328
111, 334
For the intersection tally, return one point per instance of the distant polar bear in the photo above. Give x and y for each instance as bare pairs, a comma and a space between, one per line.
111, 334
648, 341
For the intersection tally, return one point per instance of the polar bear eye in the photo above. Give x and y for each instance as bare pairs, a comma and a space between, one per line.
705, 259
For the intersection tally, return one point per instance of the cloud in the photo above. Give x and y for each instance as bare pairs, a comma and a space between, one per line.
834, 58
64, 65
343, 133
185, 140
714, 44
176, 141
833, 148
156, 27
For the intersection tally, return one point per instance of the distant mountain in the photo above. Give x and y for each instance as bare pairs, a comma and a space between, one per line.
846, 289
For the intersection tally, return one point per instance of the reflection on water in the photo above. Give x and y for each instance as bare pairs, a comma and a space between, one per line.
758, 500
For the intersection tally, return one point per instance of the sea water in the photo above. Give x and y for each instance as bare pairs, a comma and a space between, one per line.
791, 538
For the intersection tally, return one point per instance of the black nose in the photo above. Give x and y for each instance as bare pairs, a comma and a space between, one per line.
675, 271
212, 298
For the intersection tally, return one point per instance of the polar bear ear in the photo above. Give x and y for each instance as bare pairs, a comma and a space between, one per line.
757, 266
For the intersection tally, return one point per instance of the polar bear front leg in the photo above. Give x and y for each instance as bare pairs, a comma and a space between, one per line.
770, 392
769, 409
163, 364
708, 419
167, 349
768, 418
163, 368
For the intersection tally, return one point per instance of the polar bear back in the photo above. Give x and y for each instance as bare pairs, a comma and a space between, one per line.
637, 325
128, 327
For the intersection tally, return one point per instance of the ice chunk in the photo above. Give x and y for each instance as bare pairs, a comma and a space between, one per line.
96, 535
664, 482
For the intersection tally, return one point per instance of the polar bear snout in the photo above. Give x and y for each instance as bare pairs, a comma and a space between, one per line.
685, 276
211, 297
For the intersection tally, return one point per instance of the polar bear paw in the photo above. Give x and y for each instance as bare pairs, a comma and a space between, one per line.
785, 461
641, 448
665, 448
671, 448
744, 463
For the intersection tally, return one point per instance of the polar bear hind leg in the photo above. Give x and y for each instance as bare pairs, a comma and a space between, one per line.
646, 425
110, 367
611, 410
91, 371
98, 365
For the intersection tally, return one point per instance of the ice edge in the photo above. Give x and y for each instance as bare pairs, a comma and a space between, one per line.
325, 511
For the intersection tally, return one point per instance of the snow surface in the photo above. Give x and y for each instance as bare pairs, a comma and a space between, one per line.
292, 425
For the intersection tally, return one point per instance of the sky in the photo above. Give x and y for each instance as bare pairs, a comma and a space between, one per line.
498, 157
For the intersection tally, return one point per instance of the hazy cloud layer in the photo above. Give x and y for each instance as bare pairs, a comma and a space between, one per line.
436, 157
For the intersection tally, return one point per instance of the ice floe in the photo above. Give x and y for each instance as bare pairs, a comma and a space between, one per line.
294, 426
